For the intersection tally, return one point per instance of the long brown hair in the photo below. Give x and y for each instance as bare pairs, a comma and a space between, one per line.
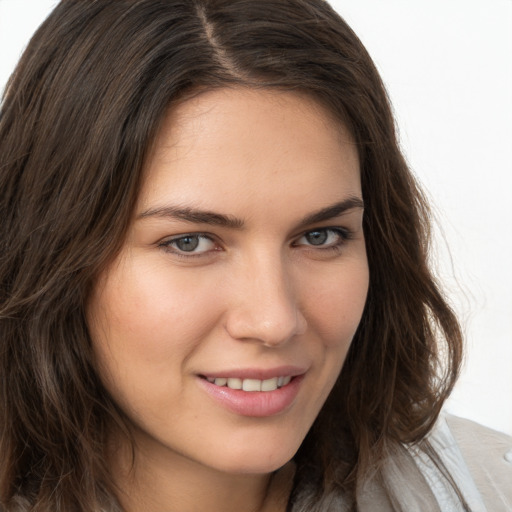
77, 121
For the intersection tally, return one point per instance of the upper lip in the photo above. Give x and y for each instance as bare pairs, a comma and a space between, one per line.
256, 373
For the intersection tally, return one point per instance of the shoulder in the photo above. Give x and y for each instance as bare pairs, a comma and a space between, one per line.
476, 458
488, 456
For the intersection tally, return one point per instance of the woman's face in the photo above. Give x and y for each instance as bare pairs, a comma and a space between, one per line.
245, 265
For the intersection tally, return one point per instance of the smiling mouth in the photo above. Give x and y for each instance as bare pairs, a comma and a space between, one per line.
251, 384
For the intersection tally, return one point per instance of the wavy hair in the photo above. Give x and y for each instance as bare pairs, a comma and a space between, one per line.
77, 121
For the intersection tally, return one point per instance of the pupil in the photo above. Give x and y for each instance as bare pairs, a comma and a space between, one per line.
187, 243
316, 237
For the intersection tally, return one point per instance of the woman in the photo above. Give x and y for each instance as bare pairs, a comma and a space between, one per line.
195, 312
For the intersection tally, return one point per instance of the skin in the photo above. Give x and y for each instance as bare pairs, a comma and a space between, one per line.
275, 291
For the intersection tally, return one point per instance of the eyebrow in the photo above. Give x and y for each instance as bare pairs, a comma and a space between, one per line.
193, 215
332, 211
198, 216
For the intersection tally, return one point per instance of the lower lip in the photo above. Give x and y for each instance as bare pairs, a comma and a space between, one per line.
257, 404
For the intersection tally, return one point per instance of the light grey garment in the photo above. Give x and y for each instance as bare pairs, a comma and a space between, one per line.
478, 459
488, 457
475, 457
447, 449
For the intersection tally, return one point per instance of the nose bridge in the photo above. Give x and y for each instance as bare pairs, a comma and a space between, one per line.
266, 307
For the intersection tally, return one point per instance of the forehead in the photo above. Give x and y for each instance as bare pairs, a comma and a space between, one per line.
263, 145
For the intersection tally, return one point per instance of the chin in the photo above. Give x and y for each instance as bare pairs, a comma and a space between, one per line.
257, 460
255, 467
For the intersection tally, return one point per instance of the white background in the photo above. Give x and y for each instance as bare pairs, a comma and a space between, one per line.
448, 68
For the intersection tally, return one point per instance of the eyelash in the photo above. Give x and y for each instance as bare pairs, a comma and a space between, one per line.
343, 234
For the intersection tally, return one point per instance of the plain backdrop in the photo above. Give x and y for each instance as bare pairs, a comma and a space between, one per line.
447, 65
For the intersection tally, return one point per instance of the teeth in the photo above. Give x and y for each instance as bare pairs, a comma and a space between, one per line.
269, 384
251, 384
235, 383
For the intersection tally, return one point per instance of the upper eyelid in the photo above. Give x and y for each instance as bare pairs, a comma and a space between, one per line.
211, 236
200, 234
336, 229
167, 241
343, 232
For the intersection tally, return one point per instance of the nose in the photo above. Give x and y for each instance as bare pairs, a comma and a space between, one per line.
264, 306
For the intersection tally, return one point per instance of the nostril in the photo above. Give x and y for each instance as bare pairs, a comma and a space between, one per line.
271, 328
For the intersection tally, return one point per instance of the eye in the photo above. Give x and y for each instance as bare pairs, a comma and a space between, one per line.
189, 245
324, 238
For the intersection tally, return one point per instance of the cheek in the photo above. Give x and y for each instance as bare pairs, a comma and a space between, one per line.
143, 322
337, 305
151, 303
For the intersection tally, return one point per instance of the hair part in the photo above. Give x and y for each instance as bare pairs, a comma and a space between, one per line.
77, 122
